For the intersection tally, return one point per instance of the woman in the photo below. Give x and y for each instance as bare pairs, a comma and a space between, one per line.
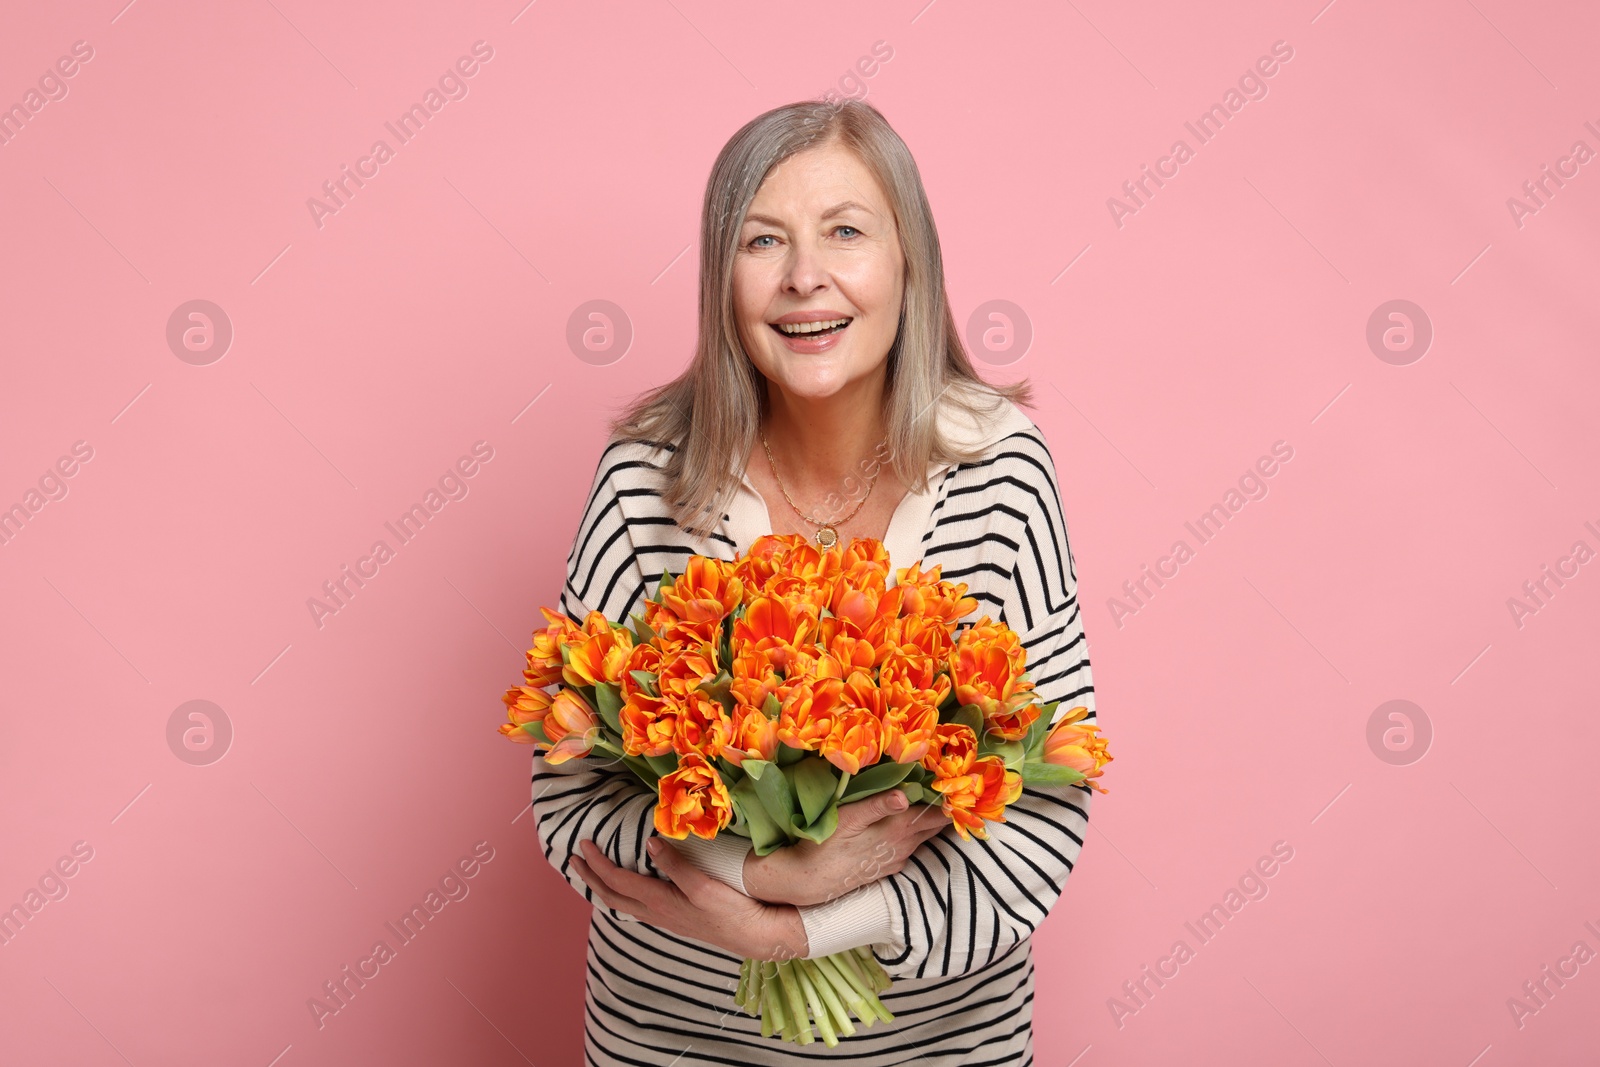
829, 396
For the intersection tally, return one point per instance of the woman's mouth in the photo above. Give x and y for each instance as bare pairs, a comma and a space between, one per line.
825, 328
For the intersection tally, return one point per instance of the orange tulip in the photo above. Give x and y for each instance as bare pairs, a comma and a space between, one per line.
913, 677
753, 679
1013, 721
703, 726
757, 566
693, 798
773, 627
982, 794
649, 725
754, 736
513, 732
866, 554
683, 670
854, 741
952, 750
705, 592
988, 634
600, 657
526, 704
808, 712
544, 658
908, 732
646, 658
1078, 745
984, 676
572, 727
932, 597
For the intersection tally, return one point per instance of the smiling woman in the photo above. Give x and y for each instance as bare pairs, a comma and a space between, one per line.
826, 341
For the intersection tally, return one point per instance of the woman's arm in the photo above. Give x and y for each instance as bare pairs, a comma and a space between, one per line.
597, 798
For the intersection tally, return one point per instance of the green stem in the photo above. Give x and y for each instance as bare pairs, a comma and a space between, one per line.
844, 780
797, 1004
847, 985
819, 1012
771, 1009
830, 997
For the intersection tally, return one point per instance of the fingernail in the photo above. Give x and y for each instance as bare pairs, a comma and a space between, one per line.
654, 845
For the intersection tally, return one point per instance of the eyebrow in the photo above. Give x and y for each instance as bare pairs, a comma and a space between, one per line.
837, 209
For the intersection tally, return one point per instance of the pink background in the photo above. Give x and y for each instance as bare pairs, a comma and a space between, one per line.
1230, 312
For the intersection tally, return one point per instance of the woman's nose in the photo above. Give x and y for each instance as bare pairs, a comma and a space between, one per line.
807, 268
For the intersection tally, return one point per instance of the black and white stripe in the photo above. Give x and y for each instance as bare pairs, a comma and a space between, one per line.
961, 912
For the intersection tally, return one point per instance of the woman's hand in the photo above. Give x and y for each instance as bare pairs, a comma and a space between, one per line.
694, 904
874, 838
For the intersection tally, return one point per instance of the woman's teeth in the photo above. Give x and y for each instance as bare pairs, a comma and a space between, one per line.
798, 328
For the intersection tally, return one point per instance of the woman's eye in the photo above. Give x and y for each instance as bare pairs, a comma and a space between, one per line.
853, 231
763, 237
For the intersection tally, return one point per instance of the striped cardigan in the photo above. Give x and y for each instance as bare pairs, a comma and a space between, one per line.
952, 926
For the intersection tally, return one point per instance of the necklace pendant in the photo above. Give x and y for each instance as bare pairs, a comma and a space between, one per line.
827, 537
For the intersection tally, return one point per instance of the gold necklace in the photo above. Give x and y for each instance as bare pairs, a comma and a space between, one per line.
827, 534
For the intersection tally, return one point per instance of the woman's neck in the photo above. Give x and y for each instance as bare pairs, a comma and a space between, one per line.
820, 444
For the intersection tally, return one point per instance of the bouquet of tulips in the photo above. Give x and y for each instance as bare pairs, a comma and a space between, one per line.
756, 696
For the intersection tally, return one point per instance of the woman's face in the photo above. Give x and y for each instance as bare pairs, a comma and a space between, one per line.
819, 244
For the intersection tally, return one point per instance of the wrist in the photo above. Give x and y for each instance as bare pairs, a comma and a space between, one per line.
758, 880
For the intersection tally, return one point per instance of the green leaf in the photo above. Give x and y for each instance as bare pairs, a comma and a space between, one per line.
663, 764
1033, 744
566, 653
608, 699
776, 794
770, 707
1009, 751
642, 630
821, 829
720, 689
814, 785
764, 833
875, 779
1049, 774
913, 791
754, 767
969, 715
788, 757
666, 582
536, 731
